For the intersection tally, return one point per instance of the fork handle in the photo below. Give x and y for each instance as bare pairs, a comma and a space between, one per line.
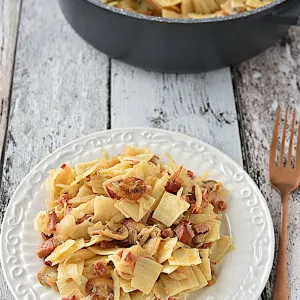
281, 282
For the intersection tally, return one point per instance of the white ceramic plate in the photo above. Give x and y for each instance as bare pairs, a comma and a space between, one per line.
241, 275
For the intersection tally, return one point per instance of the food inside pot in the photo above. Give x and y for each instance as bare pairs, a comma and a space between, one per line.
190, 9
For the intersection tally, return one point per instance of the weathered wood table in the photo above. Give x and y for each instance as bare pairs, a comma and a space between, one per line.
55, 88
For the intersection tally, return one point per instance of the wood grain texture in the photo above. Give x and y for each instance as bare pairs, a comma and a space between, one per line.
199, 105
59, 93
9, 20
262, 84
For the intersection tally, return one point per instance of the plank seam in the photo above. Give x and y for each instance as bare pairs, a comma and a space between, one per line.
237, 96
236, 74
109, 82
3, 146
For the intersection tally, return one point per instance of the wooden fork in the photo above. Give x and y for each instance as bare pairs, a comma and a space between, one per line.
285, 179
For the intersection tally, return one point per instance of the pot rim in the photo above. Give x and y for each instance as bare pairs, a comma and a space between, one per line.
186, 21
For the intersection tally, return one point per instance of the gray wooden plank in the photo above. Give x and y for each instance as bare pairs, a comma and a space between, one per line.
9, 20
200, 105
262, 84
59, 93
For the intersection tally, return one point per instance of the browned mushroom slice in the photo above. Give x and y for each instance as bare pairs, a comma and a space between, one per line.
130, 188
100, 288
48, 276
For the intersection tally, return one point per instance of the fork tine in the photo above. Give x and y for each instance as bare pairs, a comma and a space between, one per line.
283, 139
272, 157
298, 150
289, 159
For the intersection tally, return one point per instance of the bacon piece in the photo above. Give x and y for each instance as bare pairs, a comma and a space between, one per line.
201, 228
46, 248
63, 198
84, 218
205, 245
69, 298
63, 166
45, 237
106, 244
125, 243
222, 205
204, 199
215, 203
172, 186
167, 233
190, 173
100, 268
189, 199
130, 258
184, 233
53, 220
47, 263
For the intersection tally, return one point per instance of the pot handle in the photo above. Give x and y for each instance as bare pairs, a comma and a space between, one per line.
288, 13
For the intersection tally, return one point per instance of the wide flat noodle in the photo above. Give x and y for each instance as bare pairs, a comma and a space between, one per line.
145, 274
221, 247
205, 269
174, 287
165, 249
214, 232
200, 218
65, 228
65, 251
168, 269
135, 209
104, 209
126, 285
169, 209
185, 257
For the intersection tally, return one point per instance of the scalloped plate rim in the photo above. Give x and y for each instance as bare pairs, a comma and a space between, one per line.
155, 130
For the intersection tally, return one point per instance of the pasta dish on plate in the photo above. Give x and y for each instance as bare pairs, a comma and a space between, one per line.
190, 9
130, 227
